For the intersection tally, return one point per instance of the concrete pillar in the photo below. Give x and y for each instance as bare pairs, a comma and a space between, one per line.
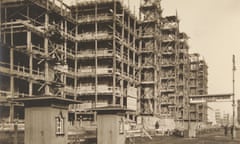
29, 47
47, 90
11, 111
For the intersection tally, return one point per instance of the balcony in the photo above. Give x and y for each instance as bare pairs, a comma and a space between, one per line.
69, 89
35, 50
21, 71
169, 38
91, 71
168, 63
101, 89
185, 51
147, 49
181, 83
167, 101
192, 85
169, 25
92, 53
35, 27
167, 89
4, 95
147, 78
149, 4
93, 18
100, 35
147, 34
22, 24
168, 51
193, 109
166, 75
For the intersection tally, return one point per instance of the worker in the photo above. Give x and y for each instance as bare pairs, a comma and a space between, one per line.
231, 129
225, 130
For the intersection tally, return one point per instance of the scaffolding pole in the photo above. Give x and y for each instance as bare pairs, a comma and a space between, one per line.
233, 98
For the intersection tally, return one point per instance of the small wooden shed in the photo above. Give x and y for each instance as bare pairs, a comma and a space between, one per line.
46, 119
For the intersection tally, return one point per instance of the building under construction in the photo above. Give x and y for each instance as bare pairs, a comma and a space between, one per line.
85, 52
174, 69
97, 52
149, 49
198, 86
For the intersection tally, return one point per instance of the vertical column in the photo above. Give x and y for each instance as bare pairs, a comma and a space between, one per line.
139, 70
64, 57
177, 61
128, 50
114, 52
11, 112
96, 55
5, 19
159, 69
75, 69
134, 62
96, 61
176, 78
75, 73
76, 65
29, 47
122, 63
135, 50
47, 90
75, 59
1, 22
155, 72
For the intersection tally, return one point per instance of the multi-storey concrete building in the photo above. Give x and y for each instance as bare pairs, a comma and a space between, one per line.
97, 52
85, 52
106, 55
174, 69
37, 37
164, 63
198, 86
198, 75
149, 49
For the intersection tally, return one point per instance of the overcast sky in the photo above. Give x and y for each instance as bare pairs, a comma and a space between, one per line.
214, 30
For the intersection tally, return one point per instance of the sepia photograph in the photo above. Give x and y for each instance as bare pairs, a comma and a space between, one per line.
119, 71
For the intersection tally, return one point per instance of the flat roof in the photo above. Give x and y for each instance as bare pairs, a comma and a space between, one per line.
46, 100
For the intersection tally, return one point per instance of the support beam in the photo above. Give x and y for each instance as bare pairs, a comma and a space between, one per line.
96, 58
122, 63
11, 112
114, 52
46, 23
29, 47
